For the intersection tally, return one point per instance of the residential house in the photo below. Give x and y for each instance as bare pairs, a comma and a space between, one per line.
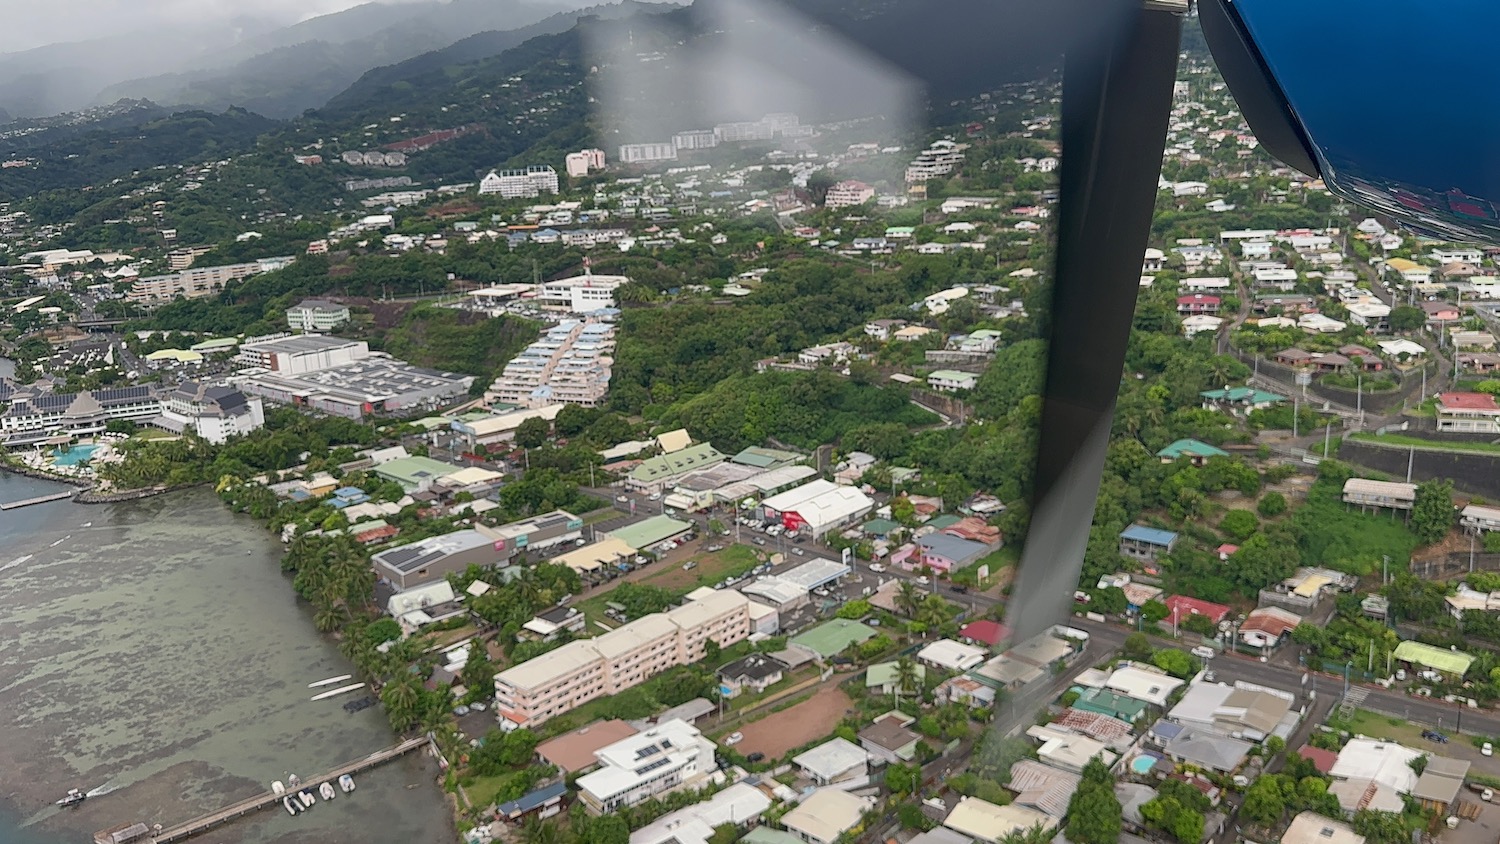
1042, 787
754, 674
1473, 413
948, 655
1067, 750
1311, 828
1482, 340
1320, 324
1145, 683
576, 752
889, 740
1478, 518
1143, 543
1206, 749
1441, 312
557, 622
1182, 607
1438, 787
1372, 315
1198, 303
1367, 359
740, 805
988, 632
543, 802
965, 690
669, 755
1197, 324
950, 380
1239, 399
1242, 711
1196, 452
836, 760
883, 677
990, 824
1268, 627
1294, 357
1450, 663
941, 553
882, 329
826, 815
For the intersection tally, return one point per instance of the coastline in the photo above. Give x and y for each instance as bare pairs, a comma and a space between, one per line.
88, 490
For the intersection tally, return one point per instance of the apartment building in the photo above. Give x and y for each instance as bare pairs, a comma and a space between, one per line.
542, 688
316, 315
570, 364
583, 162
517, 184
695, 139
671, 754
937, 160
647, 153
197, 282
848, 193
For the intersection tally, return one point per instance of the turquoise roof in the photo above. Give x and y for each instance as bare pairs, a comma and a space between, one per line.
1191, 448
1245, 395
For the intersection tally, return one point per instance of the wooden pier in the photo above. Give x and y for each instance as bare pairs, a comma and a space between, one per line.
40, 499
269, 798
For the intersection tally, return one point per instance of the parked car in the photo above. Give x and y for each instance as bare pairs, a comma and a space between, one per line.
1203, 652
922, 579
477, 706
1487, 795
733, 739
960, 589
689, 565
622, 498
655, 496
755, 757
1488, 749
877, 567
1434, 735
799, 552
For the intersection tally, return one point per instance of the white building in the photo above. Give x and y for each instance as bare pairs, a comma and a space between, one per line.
517, 184
819, 506
739, 804
215, 412
695, 139
316, 315
952, 380
581, 294
948, 655
848, 193
647, 153
571, 363
302, 353
665, 757
826, 815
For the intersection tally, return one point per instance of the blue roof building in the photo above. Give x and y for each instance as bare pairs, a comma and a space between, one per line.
1145, 543
543, 797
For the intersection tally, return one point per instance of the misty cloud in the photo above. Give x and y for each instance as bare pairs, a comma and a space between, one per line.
30, 25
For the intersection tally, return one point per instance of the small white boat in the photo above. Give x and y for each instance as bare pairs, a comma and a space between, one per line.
307, 799
278, 788
330, 681
291, 806
292, 780
326, 791
346, 782
342, 690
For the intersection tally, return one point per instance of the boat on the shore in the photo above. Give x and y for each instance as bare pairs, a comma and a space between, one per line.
346, 782
292, 806
307, 798
342, 690
360, 705
292, 780
73, 798
326, 791
330, 681
277, 787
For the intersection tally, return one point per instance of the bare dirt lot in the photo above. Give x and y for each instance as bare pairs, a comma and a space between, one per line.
793, 727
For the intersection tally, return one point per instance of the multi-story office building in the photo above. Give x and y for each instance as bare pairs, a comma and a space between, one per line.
570, 364
548, 686
667, 756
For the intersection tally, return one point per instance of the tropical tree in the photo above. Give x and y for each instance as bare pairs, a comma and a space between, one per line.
908, 598
906, 677
402, 699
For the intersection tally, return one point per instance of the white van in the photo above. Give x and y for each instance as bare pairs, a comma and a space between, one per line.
1203, 652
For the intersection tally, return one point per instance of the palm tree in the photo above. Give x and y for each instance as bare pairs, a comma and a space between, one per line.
538, 831
908, 598
932, 612
906, 677
402, 699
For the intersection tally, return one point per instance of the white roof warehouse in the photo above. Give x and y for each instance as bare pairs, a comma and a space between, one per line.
820, 506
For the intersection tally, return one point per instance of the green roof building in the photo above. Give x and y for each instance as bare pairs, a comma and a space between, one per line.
654, 473
1247, 398
831, 637
765, 458
414, 473
652, 531
879, 527
883, 676
1454, 663
1194, 450
1104, 702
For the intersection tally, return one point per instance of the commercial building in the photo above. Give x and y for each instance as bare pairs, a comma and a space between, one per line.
316, 315
558, 527
214, 412
1454, 664
817, 507
33, 414
649, 533
581, 163
667, 756
375, 385
414, 473
420, 606
517, 184
657, 473
580, 294
436, 557
501, 427
570, 364
534, 691
295, 355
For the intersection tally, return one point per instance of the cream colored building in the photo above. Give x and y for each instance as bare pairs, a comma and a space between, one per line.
558, 681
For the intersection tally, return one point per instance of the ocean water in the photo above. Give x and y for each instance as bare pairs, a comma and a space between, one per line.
155, 653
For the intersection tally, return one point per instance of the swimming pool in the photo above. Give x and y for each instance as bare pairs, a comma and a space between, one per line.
72, 456
1142, 764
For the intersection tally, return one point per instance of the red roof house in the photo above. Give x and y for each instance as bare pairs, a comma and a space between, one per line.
984, 632
1322, 759
1181, 607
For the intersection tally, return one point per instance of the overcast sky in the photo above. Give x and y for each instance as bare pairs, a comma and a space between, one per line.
30, 24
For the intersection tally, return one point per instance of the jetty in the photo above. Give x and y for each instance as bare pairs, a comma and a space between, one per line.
206, 822
40, 499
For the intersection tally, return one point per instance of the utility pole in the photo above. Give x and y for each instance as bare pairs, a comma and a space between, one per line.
1411, 456
1471, 553
1294, 417
1385, 568
1327, 434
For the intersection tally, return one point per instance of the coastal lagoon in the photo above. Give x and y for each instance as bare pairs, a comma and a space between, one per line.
156, 654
